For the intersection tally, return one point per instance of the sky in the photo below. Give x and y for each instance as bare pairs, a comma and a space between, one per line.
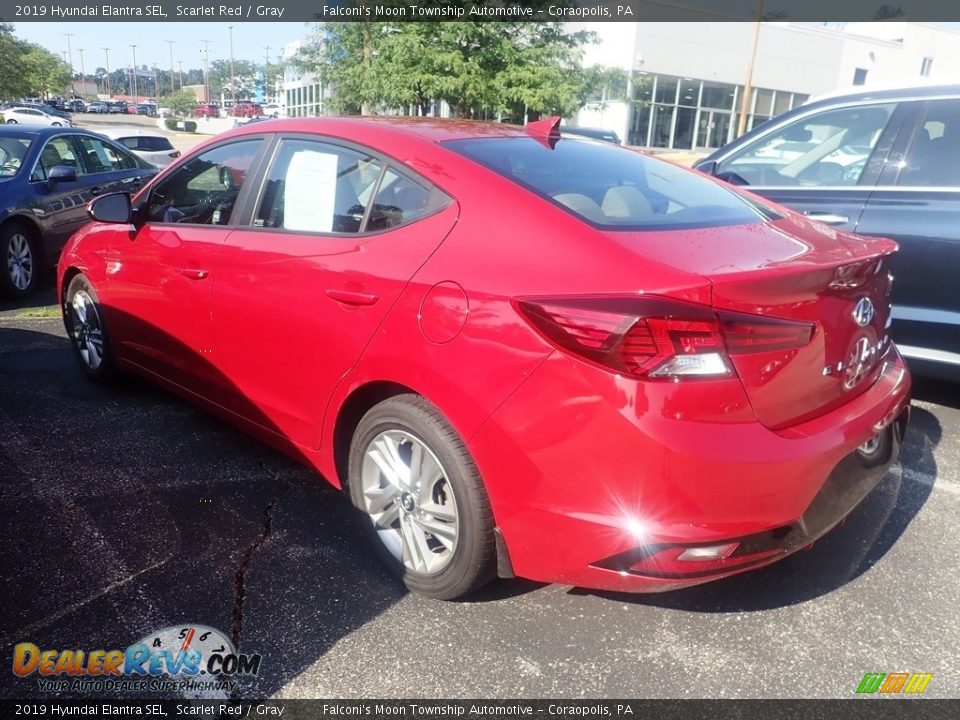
249, 41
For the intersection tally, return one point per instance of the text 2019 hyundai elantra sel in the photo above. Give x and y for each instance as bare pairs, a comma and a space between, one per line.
518, 353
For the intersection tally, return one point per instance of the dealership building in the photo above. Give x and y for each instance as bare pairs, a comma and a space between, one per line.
687, 78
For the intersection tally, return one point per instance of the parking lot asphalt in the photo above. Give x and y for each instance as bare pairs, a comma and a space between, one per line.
124, 510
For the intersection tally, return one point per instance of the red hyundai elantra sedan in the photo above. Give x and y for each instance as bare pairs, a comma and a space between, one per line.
519, 353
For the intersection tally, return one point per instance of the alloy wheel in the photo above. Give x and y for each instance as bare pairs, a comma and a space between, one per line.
87, 330
408, 498
20, 261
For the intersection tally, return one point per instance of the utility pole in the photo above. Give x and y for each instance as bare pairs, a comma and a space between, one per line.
173, 89
135, 98
83, 75
180, 64
233, 87
107, 53
748, 85
156, 84
206, 71
73, 85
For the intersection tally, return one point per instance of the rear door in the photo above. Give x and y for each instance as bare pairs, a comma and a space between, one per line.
917, 203
109, 168
824, 164
335, 236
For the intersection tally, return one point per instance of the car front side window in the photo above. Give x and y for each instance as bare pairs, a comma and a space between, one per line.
204, 190
828, 149
58, 151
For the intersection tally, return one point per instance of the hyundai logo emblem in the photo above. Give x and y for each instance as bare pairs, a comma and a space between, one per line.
863, 312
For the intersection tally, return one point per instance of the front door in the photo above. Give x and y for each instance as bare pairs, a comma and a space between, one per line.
161, 273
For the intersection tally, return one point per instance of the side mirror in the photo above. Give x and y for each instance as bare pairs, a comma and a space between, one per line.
61, 173
708, 168
112, 208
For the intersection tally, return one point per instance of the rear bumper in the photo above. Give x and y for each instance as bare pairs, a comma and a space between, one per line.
589, 480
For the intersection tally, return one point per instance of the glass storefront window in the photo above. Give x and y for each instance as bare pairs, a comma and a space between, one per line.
781, 103
666, 89
689, 92
683, 135
764, 101
717, 95
662, 122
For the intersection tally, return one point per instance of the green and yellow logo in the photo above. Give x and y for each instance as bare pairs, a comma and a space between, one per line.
894, 683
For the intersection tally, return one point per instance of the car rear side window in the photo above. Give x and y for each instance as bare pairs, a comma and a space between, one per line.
317, 187
931, 159
146, 143
612, 187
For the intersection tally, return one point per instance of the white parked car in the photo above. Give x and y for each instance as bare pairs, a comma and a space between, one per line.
150, 145
29, 116
274, 110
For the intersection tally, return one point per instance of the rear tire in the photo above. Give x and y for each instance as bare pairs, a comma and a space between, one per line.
426, 511
87, 329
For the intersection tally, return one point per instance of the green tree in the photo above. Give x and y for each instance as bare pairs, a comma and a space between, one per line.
479, 68
45, 72
181, 102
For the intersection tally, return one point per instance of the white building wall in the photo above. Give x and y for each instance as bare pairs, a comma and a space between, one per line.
797, 58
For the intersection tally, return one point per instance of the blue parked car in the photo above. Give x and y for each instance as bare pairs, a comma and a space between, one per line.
47, 177
875, 162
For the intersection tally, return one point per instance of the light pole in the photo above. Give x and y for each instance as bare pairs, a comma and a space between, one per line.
135, 98
73, 85
233, 87
266, 68
180, 64
106, 52
173, 89
83, 75
206, 71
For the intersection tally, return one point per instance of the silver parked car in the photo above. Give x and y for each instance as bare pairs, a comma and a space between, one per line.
150, 145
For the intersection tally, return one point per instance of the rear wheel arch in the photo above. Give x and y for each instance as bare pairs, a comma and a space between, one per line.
351, 411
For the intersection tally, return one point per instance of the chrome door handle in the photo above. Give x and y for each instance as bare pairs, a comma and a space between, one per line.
194, 273
96, 190
352, 298
828, 218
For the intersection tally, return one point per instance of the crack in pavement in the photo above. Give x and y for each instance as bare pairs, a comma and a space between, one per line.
247, 561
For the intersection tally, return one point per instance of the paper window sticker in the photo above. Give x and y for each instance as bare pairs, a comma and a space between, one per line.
310, 189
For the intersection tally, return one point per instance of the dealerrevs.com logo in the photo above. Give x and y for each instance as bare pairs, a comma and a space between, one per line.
179, 658
894, 683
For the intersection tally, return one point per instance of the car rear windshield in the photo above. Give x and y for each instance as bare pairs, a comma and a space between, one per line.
146, 143
611, 187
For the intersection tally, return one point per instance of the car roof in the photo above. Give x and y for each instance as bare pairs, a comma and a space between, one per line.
435, 130
41, 131
114, 132
887, 91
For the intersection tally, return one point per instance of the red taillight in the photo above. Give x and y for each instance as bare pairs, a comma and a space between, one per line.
658, 338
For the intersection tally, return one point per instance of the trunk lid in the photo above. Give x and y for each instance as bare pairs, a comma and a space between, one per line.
794, 269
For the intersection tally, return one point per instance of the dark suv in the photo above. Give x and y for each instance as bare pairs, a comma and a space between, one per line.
875, 162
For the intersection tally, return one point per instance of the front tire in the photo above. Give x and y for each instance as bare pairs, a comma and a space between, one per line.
83, 318
427, 512
21, 263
